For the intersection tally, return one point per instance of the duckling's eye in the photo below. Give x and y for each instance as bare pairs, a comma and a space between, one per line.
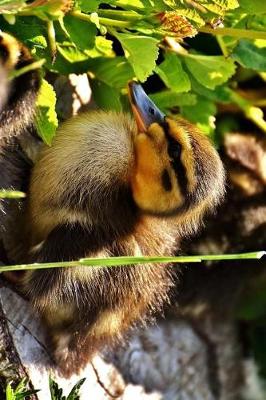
174, 149
151, 111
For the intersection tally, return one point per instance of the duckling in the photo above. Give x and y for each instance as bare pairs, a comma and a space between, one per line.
17, 108
113, 185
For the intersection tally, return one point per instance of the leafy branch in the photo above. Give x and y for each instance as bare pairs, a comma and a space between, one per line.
77, 36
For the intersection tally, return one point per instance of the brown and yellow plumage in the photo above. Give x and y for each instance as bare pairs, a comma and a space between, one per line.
111, 185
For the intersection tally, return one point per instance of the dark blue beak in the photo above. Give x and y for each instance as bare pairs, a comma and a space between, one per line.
144, 110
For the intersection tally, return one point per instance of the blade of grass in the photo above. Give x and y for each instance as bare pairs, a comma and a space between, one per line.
18, 72
128, 260
11, 194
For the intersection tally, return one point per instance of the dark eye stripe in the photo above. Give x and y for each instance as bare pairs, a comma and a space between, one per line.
4, 53
174, 151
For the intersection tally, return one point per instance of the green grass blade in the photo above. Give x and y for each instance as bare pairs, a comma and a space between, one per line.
240, 256
11, 194
128, 260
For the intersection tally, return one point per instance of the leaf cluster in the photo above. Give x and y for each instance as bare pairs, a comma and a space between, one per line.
118, 40
57, 393
20, 392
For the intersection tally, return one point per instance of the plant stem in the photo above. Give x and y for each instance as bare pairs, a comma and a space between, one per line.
255, 114
222, 46
175, 46
239, 33
103, 21
120, 15
51, 39
18, 72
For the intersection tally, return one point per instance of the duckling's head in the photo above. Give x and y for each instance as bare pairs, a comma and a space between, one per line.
102, 166
177, 171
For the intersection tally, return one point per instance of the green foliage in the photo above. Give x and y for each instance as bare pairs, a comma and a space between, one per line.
173, 74
141, 52
20, 392
250, 56
210, 71
46, 118
57, 393
71, 37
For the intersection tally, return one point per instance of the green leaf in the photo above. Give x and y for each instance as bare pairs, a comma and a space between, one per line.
114, 72
71, 53
202, 114
27, 29
74, 394
82, 33
20, 392
133, 4
172, 74
10, 395
250, 56
11, 6
49, 10
106, 97
55, 391
141, 52
62, 66
46, 118
220, 6
253, 6
102, 47
168, 99
26, 394
210, 71
221, 94
87, 6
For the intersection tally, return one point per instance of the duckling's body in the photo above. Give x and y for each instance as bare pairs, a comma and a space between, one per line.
108, 186
83, 202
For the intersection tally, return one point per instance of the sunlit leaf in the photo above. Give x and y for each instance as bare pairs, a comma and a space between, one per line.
82, 33
167, 99
114, 72
46, 118
250, 56
210, 71
87, 5
141, 52
173, 75
253, 6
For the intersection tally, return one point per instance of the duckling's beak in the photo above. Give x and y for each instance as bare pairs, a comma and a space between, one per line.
144, 110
